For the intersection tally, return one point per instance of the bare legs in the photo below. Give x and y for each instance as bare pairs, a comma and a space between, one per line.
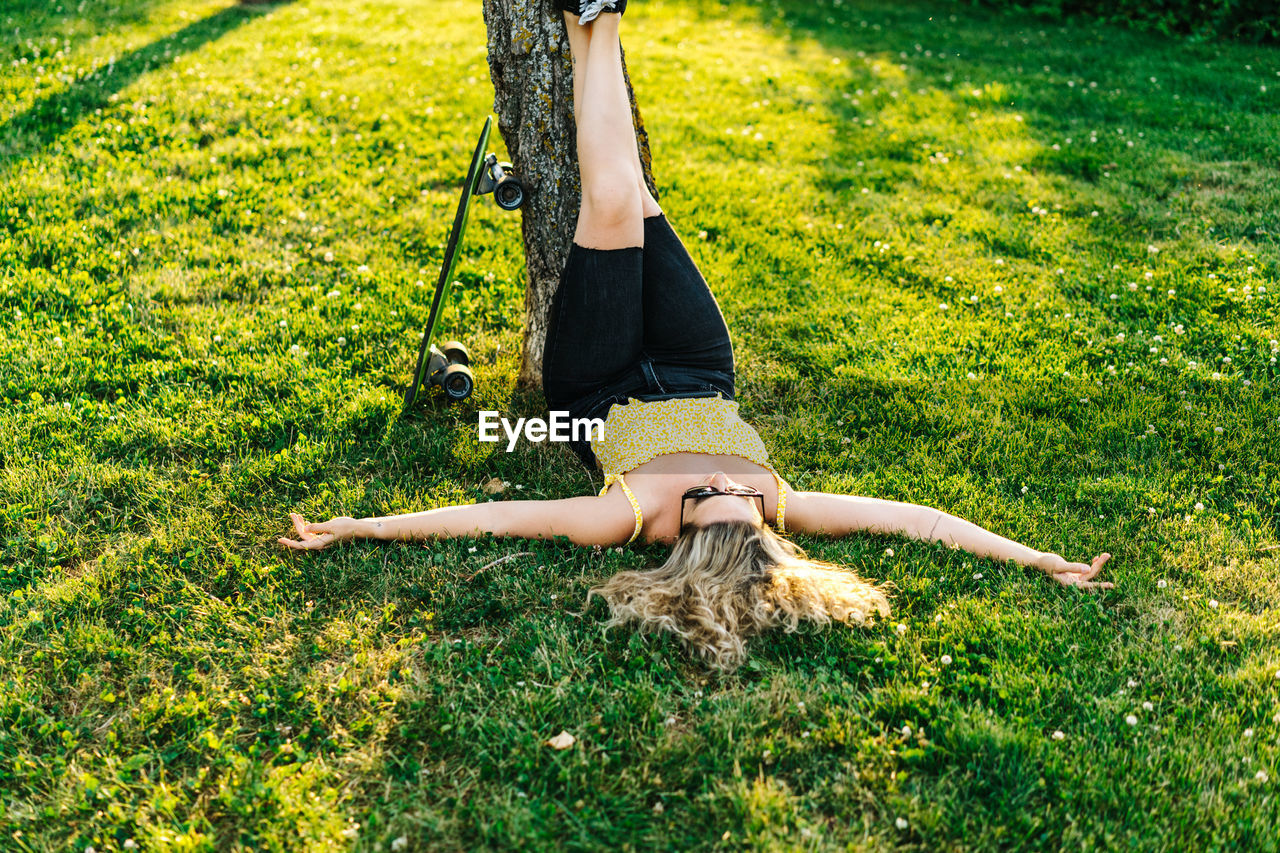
615, 200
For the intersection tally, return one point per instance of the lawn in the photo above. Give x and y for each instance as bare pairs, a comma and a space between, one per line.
1021, 272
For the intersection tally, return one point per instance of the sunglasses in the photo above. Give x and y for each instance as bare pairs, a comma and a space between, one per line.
698, 494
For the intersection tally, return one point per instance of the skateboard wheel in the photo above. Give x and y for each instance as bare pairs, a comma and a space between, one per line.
455, 353
509, 193
457, 382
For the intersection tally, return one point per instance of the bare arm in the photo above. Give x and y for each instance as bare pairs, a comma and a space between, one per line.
840, 515
604, 520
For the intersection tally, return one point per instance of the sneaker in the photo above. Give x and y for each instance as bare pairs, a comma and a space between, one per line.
589, 10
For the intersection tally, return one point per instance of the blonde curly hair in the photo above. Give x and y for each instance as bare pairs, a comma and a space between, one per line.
726, 581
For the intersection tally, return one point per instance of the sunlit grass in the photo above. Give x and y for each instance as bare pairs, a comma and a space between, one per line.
213, 225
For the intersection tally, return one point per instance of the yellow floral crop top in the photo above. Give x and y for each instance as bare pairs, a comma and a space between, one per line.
639, 431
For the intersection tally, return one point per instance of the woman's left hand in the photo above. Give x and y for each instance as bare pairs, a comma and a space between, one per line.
313, 537
1075, 574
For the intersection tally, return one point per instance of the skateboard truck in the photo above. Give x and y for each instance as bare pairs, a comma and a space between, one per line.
508, 190
447, 369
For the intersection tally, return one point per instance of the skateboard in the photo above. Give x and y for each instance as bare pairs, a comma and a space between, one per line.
446, 366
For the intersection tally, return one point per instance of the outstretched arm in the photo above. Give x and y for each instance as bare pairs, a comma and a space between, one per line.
840, 515
604, 520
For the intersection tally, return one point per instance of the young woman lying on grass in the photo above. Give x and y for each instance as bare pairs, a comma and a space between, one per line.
637, 338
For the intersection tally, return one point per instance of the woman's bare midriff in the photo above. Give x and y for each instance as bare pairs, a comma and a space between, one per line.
659, 484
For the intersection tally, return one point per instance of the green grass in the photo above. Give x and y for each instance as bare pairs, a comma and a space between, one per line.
239, 183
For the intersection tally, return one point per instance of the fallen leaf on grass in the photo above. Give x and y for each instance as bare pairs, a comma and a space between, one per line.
564, 740
493, 487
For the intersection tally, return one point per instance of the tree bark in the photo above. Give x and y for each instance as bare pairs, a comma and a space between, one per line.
532, 72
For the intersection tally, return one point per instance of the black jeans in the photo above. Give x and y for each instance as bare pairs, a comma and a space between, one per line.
635, 323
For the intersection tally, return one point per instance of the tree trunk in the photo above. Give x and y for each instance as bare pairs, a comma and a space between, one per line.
532, 72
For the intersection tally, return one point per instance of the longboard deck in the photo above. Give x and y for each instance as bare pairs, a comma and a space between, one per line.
474, 173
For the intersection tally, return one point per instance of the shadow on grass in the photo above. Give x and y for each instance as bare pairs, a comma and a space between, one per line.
40, 22
29, 132
1177, 100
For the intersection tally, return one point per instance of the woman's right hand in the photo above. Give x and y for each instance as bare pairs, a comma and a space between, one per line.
313, 537
1068, 573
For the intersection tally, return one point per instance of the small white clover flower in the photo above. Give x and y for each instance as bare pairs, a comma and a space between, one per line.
901, 823
1024, 490
977, 576
1131, 683
1131, 720
888, 552
328, 257
942, 306
1213, 602
946, 660
901, 628
906, 731
342, 341
1147, 706
399, 844
1199, 507
1261, 776
1162, 583
1248, 733
284, 324
1058, 735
